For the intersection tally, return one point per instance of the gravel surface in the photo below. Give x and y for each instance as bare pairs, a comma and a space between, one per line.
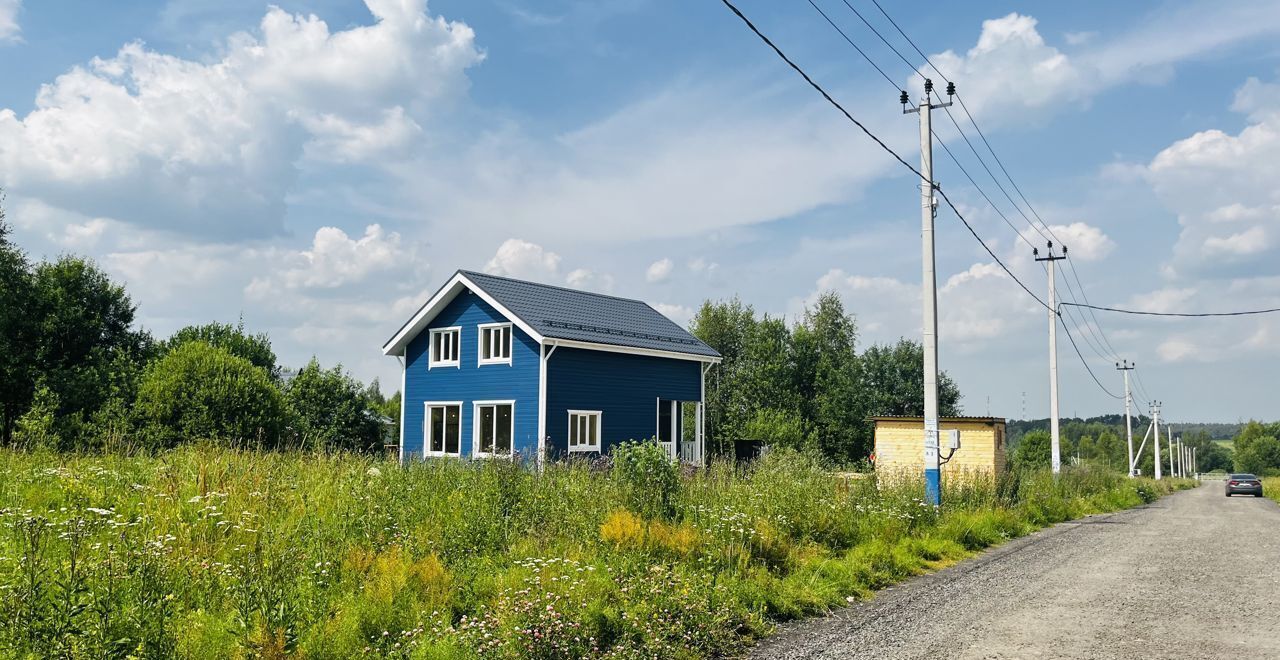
1194, 575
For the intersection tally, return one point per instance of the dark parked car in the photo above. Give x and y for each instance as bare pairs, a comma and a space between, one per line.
1244, 484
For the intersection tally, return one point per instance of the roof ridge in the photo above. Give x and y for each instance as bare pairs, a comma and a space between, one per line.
556, 286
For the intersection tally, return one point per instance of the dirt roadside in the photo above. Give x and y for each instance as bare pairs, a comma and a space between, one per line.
1194, 575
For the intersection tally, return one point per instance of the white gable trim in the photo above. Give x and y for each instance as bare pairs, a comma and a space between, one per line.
651, 352
457, 284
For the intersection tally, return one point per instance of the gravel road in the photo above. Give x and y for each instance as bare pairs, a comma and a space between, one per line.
1194, 575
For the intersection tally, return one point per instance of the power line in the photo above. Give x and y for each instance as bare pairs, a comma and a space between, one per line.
867, 23
979, 188
836, 104
1102, 337
1086, 363
1146, 396
1093, 345
1249, 312
1088, 332
913, 44
846, 38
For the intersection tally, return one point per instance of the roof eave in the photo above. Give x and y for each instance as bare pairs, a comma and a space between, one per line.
632, 350
445, 295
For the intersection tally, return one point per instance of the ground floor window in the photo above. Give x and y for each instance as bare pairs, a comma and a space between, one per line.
495, 425
584, 430
444, 429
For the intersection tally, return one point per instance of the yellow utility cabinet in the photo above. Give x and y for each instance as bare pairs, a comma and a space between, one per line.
900, 444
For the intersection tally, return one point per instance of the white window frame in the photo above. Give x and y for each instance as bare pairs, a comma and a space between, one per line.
599, 417
488, 327
426, 428
432, 362
475, 428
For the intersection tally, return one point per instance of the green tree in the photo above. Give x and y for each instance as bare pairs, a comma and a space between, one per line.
827, 379
1256, 448
231, 338
333, 410
1034, 451
18, 332
202, 392
781, 428
1210, 455
87, 350
36, 427
728, 327
893, 381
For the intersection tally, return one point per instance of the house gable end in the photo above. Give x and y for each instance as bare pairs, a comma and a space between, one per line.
439, 301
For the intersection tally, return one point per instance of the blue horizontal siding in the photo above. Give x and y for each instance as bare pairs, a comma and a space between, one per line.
469, 382
624, 387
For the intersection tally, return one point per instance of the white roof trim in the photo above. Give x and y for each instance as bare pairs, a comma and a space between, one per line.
443, 297
651, 352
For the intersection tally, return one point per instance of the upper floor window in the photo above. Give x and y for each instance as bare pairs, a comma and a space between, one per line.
495, 343
444, 347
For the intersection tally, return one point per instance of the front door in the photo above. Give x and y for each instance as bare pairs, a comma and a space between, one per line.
668, 432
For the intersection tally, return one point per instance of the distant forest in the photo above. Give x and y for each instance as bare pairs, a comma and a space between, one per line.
1016, 428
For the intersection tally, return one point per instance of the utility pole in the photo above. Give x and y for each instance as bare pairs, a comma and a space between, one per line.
1055, 445
1168, 434
929, 287
1155, 446
1124, 367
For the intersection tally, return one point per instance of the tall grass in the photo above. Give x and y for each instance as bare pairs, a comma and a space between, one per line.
209, 553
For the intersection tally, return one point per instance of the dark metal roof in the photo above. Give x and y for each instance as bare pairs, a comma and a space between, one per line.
563, 313
917, 418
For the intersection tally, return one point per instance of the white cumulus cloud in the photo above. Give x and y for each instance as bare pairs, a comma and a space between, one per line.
524, 260
212, 147
10, 31
335, 260
659, 270
1222, 188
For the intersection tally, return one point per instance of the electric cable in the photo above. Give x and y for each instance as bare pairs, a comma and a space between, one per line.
836, 104
846, 38
946, 198
1086, 365
1248, 312
1074, 271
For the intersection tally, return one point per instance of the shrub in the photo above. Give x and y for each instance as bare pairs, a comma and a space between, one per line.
778, 428
649, 479
622, 528
36, 428
198, 391
332, 410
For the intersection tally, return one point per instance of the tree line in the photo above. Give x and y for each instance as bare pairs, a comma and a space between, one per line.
75, 373
804, 384
1101, 441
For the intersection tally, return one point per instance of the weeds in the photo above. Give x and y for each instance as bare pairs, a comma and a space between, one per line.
207, 553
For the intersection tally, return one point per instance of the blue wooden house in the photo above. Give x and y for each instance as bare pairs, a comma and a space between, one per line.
498, 367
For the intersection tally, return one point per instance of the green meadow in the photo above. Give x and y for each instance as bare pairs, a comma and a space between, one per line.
204, 552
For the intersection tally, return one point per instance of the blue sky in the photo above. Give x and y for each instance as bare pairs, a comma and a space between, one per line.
320, 166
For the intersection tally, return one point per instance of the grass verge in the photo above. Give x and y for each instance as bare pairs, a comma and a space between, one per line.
211, 553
